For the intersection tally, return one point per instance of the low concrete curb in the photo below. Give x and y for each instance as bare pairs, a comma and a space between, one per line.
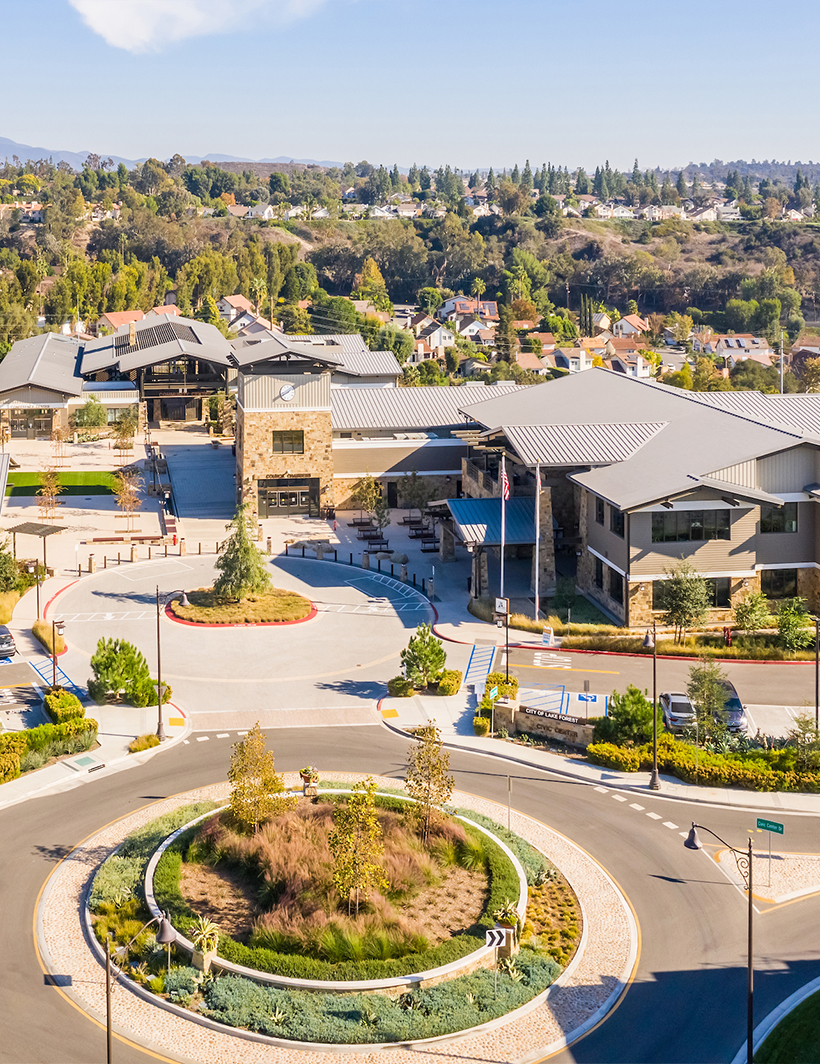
765, 1028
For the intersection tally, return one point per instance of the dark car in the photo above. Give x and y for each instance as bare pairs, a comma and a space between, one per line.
7, 645
733, 712
678, 712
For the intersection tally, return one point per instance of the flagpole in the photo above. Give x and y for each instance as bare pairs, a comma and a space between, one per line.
503, 516
537, 539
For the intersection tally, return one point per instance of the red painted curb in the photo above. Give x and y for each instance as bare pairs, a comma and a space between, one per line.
56, 595
226, 624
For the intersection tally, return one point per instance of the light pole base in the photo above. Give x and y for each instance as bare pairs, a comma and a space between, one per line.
654, 780
161, 732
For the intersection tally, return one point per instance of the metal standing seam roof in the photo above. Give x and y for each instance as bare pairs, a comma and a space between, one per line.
370, 364
479, 520
801, 412
568, 445
427, 407
156, 342
275, 348
350, 343
45, 361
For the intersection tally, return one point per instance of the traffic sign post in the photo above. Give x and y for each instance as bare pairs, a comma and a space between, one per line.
493, 696
496, 937
773, 828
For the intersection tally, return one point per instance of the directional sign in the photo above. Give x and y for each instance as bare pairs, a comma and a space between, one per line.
770, 825
493, 692
497, 937
502, 606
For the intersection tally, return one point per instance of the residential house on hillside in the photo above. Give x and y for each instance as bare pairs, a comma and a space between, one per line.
261, 210
574, 359
237, 210
734, 348
601, 321
630, 325
232, 307
113, 319
457, 306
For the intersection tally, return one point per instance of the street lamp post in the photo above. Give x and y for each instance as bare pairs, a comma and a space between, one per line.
743, 860
166, 599
166, 936
816, 673
650, 640
57, 628
34, 569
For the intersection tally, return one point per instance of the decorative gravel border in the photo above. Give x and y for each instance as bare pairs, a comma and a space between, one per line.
575, 1003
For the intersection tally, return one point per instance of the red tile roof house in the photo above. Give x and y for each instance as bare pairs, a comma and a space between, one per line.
230, 307
630, 325
113, 319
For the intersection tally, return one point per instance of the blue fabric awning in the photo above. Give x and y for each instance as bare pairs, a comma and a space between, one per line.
479, 521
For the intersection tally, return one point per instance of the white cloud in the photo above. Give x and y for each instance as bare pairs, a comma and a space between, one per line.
149, 25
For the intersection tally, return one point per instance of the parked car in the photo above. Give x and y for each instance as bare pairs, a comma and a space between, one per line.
678, 712
7, 644
733, 712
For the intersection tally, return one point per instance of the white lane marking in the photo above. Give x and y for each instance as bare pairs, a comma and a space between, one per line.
634, 805
619, 797
222, 735
186, 741
684, 834
202, 738
655, 816
602, 790
241, 733
669, 824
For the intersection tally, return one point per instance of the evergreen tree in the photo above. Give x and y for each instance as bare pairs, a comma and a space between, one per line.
425, 180
257, 790
515, 176
581, 182
395, 177
637, 177
241, 567
428, 779
424, 658
413, 176
121, 673
668, 194
696, 189
208, 311
526, 176
491, 182
683, 190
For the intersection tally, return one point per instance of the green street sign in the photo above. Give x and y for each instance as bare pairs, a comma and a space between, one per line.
494, 692
770, 825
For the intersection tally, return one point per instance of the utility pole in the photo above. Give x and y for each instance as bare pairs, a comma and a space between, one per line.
781, 361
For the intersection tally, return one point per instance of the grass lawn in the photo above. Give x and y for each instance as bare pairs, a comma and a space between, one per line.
92, 483
796, 1039
265, 607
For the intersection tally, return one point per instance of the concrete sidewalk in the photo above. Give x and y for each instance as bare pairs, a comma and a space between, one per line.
454, 717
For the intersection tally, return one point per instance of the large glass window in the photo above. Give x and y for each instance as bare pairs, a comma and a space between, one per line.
779, 518
694, 526
290, 442
599, 574
616, 521
778, 583
719, 587
616, 585
599, 511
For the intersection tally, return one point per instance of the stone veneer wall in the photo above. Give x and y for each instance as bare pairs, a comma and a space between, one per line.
641, 613
808, 587
255, 459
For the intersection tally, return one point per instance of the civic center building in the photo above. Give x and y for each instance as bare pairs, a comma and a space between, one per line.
634, 475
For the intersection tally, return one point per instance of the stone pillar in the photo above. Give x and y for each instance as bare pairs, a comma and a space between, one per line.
320, 552
269, 546
183, 550
142, 416
446, 544
546, 555
133, 552
365, 559
639, 597
480, 573
431, 588
92, 563
808, 587
403, 573
226, 418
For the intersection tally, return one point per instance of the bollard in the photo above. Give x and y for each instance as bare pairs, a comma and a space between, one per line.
335, 555
414, 579
183, 550
351, 557
379, 564
119, 557
270, 551
303, 552
200, 549
217, 546
92, 564
286, 550
391, 568
166, 548
423, 589
133, 552
149, 553
105, 562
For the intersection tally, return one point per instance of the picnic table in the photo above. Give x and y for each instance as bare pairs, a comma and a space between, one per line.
377, 544
419, 531
360, 522
429, 544
367, 532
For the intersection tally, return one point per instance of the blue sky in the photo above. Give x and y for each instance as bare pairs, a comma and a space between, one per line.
470, 83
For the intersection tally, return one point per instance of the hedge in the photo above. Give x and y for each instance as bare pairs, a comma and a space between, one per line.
754, 771
449, 683
14, 745
504, 886
62, 705
398, 687
481, 725
499, 680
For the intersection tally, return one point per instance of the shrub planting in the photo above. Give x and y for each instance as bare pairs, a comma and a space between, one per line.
398, 687
143, 742
62, 705
481, 725
31, 749
449, 683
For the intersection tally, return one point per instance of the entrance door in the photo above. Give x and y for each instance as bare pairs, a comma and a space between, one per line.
31, 432
392, 494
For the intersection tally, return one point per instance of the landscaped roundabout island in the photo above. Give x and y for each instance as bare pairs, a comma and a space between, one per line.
342, 912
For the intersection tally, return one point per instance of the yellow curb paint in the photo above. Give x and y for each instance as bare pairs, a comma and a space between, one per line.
390, 713
177, 721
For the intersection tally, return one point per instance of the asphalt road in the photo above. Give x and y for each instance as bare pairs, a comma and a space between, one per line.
686, 1004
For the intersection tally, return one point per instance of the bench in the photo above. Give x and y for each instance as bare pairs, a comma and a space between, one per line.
429, 545
377, 544
419, 531
360, 522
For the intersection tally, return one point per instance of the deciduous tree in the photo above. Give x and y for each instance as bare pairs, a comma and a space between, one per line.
257, 790
684, 598
356, 845
752, 613
50, 488
428, 779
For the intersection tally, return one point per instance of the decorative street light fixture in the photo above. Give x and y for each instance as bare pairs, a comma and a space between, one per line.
57, 628
743, 860
650, 642
166, 599
166, 936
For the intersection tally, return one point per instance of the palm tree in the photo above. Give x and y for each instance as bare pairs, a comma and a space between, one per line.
478, 289
259, 289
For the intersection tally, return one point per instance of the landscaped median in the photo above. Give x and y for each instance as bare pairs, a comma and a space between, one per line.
274, 606
281, 1017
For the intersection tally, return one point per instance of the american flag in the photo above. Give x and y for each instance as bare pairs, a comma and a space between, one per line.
505, 485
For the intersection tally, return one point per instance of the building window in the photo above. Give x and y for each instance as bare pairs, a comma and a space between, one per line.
779, 518
778, 583
599, 511
599, 574
288, 442
695, 526
616, 586
616, 521
719, 588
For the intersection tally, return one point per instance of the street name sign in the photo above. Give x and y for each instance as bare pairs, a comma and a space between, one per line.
493, 692
770, 825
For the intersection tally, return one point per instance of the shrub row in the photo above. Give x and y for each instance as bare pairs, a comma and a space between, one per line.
750, 771
700, 646
62, 705
53, 739
361, 1019
481, 725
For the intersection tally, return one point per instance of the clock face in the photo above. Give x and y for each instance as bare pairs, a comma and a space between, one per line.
286, 392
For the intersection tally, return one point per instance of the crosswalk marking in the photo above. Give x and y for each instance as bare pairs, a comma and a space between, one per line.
202, 738
636, 806
602, 790
669, 824
654, 816
222, 735
619, 797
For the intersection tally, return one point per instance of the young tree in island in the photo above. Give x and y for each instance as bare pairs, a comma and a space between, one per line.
424, 657
752, 613
427, 778
356, 845
805, 738
793, 623
241, 567
416, 492
685, 598
257, 790
92, 415
628, 719
365, 494
127, 490
50, 488
708, 695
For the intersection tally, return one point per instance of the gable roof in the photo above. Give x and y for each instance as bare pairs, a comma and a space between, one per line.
157, 339
428, 407
122, 317
238, 302
47, 361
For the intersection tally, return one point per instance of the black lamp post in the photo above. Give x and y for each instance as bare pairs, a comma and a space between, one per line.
166, 935
166, 599
743, 860
650, 640
34, 569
